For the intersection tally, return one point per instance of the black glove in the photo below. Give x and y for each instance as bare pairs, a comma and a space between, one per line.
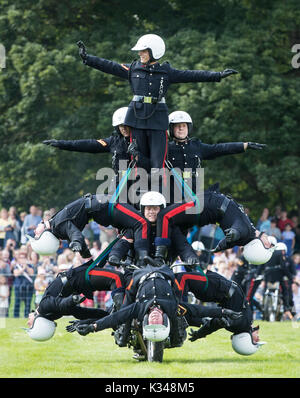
77, 299
255, 145
82, 50
85, 253
84, 329
114, 260
133, 149
231, 314
193, 262
72, 327
202, 332
75, 246
232, 235
51, 143
228, 72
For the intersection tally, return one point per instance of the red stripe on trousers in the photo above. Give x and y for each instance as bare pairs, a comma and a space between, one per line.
136, 217
250, 290
108, 275
194, 277
173, 213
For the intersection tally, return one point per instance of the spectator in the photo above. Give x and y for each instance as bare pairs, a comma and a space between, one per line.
35, 261
23, 282
108, 234
277, 213
296, 296
4, 226
274, 230
31, 221
296, 260
288, 237
50, 268
4, 263
14, 232
8, 271
4, 294
284, 220
40, 285
263, 223
23, 238
95, 227
96, 249
11, 248
47, 215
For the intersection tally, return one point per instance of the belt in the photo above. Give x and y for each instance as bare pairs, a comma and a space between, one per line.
189, 174
148, 100
232, 289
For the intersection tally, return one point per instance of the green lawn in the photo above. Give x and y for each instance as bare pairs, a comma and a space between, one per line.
96, 356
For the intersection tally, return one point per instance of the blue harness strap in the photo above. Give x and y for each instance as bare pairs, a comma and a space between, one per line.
101, 259
120, 187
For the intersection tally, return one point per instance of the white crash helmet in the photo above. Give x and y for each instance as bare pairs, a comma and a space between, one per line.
157, 332
198, 246
281, 246
42, 329
151, 42
152, 198
242, 344
180, 117
256, 253
46, 244
119, 116
272, 240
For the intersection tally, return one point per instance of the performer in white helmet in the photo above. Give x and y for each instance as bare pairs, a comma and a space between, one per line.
187, 153
119, 145
147, 112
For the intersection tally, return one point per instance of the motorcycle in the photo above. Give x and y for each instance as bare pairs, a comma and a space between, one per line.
150, 337
272, 302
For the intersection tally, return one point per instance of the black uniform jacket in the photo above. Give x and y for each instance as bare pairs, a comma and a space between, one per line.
151, 81
116, 144
190, 153
156, 285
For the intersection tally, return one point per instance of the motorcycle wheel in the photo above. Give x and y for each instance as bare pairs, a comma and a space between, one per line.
268, 305
155, 351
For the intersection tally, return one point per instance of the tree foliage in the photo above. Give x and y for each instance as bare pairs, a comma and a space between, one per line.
46, 92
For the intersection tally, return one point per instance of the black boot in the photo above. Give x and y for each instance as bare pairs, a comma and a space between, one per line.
160, 256
118, 301
140, 257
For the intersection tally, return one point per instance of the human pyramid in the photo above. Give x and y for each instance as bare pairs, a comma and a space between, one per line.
154, 196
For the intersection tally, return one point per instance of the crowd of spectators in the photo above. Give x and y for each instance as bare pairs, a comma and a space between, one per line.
24, 275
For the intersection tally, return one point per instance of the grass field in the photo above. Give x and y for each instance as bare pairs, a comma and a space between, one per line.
96, 356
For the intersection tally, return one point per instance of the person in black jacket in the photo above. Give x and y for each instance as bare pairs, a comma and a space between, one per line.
147, 112
70, 288
69, 222
228, 294
187, 154
155, 286
216, 208
119, 144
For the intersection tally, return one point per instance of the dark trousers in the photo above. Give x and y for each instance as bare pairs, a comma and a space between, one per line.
153, 144
23, 293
